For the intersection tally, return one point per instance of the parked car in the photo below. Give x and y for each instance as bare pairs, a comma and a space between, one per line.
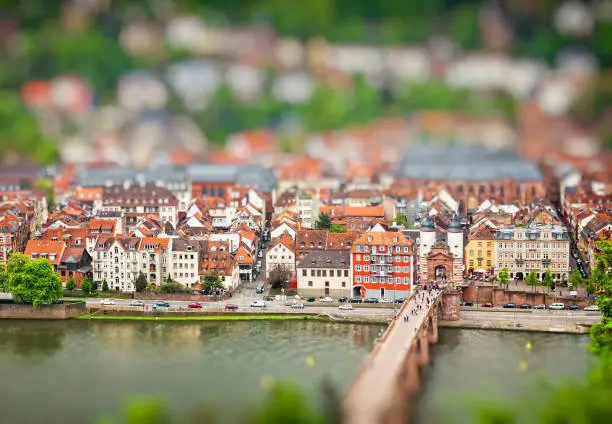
260, 254
525, 306
557, 306
342, 299
400, 300
468, 303
510, 305
231, 307
385, 301
573, 308
161, 304
371, 300
575, 255
540, 306
346, 307
487, 305
269, 298
107, 302
578, 261
326, 299
297, 306
311, 299
356, 300
195, 305
592, 308
258, 304
59, 302
137, 303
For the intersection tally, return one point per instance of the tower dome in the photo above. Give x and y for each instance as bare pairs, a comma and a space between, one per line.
455, 226
427, 225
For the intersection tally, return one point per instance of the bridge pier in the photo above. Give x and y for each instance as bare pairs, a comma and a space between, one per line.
432, 327
423, 344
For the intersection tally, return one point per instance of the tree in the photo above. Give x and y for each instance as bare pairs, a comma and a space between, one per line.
172, 288
337, 228
503, 277
547, 280
86, 285
104, 285
31, 281
141, 283
279, 276
403, 221
70, 284
169, 279
213, 282
323, 222
601, 281
532, 279
575, 279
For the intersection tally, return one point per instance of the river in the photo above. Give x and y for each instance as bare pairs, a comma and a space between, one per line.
77, 371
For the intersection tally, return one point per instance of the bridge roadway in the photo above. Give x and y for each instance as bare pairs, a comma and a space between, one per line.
372, 393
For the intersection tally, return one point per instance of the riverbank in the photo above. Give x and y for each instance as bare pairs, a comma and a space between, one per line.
512, 326
235, 317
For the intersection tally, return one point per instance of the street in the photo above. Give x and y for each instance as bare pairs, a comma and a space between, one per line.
543, 317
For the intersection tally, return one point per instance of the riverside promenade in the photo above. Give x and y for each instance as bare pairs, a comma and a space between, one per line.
381, 391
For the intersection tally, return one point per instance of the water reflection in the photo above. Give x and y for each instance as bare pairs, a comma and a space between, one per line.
34, 340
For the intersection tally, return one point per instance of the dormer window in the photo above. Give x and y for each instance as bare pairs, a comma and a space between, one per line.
52, 257
34, 255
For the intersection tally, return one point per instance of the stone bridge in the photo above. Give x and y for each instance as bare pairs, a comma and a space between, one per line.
390, 376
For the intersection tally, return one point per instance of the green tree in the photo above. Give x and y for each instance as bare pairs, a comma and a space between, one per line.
532, 279
172, 288
141, 282
213, 282
547, 280
104, 285
31, 281
601, 280
503, 277
402, 220
70, 284
86, 285
337, 228
575, 279
323, 222
279, 276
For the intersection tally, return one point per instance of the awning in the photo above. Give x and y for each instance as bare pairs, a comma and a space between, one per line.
480, 271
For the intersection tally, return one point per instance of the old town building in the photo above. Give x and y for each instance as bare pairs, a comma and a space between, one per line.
184, 261
538, 247
324, 273
281, 253
382, 265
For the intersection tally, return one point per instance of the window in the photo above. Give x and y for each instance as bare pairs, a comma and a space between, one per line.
479, 244
310, 284
304, 273
358, 248
331, 272
344, 284
312, 272
488, 263
366, 257
398, 249
405, 258
471, 253
318, 272
358, 279
366, 267
358, 268
324, 273
471, 262
346, 272
366, 279
357, 257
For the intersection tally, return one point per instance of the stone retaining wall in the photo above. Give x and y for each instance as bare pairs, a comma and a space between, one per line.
499, 296
58, 311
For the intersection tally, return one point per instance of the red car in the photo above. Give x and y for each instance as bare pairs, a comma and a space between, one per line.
195, 305
487, 305
231, 307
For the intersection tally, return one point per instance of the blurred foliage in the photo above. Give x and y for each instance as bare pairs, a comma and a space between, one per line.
19, 132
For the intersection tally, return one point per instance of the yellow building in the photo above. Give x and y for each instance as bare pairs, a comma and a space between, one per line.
479, 251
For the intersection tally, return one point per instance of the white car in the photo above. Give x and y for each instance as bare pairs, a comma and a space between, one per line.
297, 306
258, 304
138, 303
385, 301
592, 308
346, 307
107, 302
326, 300
557, 306
260, 254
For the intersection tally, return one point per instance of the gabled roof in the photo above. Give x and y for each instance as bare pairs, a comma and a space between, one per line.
285, 240
243, 253
53, 250
383, 239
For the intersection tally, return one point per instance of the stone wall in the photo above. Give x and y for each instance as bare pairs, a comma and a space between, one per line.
180, 297
498, 297
59, 311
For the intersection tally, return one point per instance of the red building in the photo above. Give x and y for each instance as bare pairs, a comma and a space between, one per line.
382, 264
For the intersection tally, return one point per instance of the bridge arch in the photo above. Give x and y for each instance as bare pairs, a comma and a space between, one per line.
358, 291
